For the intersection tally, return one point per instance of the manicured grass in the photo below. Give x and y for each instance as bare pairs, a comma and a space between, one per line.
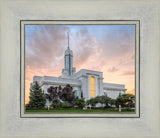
78, 111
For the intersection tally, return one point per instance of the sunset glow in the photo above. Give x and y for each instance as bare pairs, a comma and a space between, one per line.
106, 48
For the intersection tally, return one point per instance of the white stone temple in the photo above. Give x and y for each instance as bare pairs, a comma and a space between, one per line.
86, 83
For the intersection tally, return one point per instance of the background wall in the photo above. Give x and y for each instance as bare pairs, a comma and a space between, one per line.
11, 12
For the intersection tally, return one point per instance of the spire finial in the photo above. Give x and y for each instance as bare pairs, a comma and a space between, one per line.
68, 39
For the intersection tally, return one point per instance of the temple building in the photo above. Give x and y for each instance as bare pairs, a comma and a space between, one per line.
85, 82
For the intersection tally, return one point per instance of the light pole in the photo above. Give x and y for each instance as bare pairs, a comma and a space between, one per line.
119, 108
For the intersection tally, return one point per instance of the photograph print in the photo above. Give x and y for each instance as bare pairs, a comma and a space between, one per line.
84, 69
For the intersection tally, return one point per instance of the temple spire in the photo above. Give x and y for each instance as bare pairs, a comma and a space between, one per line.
68, 39
68, 69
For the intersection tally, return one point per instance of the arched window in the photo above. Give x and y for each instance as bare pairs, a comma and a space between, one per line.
92, 87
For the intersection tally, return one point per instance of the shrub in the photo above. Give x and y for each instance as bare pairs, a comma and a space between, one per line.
66, 105
35, 108
56, 105
80, 103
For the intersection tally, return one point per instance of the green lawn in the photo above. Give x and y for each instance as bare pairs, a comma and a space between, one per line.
78, 111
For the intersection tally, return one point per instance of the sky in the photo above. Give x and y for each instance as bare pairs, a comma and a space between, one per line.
106, 48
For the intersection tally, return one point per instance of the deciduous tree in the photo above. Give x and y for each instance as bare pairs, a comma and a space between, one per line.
125, 100
56, 94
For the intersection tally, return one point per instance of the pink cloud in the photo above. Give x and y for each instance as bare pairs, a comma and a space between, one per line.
126, 73
112, 69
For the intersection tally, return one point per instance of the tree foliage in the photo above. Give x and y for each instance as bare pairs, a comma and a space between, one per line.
99, 99
37, 96
113, 102
67, 94
80, 103
125, 100
56, 94
53, 93
107, 101
92, 101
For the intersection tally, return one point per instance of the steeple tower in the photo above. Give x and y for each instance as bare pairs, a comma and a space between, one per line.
68, 70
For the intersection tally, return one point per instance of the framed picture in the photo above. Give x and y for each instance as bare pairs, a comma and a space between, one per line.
101, 50
17, 33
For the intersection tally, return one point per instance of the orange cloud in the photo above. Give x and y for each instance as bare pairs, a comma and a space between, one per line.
125, 73
131, 92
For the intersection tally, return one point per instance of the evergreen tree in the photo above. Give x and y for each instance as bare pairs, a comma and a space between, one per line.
37, 96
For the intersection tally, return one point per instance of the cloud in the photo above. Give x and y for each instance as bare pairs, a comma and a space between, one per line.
126, 73
44, 46
117, 42
131, 92
83, 47
112, 69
